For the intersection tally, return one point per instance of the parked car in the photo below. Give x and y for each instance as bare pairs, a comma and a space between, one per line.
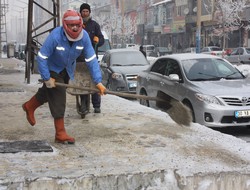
149, 49
213, 50
160, 51
120, 69
190, 50
239, 55
134, 46
216, 92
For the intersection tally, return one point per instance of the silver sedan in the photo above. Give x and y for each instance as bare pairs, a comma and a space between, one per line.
214, 90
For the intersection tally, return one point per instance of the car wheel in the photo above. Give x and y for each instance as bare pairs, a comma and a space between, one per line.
144, 102
188, 104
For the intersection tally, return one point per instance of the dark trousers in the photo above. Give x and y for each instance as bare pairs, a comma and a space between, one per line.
56, 97
95, 98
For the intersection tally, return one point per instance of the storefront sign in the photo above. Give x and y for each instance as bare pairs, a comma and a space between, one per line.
166, 29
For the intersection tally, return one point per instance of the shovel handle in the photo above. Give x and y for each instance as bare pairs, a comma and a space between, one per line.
120, 94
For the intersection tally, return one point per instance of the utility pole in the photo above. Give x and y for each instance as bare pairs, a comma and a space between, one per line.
3, 32
198, 27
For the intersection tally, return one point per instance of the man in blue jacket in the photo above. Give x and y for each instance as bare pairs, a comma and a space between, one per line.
56, 63
97, 40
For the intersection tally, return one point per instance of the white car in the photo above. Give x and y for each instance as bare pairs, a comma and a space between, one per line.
213, 50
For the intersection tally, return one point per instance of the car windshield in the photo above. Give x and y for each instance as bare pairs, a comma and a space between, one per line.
209, 69
128, 59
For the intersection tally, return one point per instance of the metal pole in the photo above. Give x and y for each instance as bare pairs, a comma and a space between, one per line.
1, 13
198, 28
29, 41
122, 12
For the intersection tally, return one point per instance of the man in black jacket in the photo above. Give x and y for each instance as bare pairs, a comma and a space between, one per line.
143, 52
97, 39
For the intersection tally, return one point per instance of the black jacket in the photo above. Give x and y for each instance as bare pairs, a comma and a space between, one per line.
93, 29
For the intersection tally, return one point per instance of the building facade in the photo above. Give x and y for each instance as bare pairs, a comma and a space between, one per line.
164, 22
170, 22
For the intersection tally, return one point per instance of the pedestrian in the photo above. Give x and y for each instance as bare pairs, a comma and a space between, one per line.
211, 43
179, 47
97, 39
143, 52
56, 63
192, 45
170, 47
4, 49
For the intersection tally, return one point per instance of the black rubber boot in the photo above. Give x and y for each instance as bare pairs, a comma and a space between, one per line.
97, 110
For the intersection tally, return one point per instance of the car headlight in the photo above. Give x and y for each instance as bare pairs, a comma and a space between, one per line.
207, 99
117, 76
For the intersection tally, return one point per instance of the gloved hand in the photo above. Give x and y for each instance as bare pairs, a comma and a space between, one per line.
101, 88
96, 40
50, 83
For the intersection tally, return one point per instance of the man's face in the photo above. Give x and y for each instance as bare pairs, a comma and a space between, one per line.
74, 27
85, 13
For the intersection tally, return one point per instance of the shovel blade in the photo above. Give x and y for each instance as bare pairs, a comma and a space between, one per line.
178, 112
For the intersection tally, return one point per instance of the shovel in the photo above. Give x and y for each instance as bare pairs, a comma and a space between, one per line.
180, 113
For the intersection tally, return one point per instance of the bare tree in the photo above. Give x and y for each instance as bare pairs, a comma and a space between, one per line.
129, 27
111, 23
228, 14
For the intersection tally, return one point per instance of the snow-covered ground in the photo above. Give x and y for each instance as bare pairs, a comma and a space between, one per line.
126, 140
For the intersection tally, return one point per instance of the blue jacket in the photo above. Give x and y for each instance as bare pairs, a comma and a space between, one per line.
57, 54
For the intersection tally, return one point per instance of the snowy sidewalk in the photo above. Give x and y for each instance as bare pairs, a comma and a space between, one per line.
127, 146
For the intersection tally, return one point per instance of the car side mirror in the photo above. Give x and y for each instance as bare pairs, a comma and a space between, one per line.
174, 77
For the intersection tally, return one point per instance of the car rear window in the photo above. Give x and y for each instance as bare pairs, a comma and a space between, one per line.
162, 49
149, 48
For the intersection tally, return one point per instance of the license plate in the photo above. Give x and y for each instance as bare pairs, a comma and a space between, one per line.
244, 113
132, 84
